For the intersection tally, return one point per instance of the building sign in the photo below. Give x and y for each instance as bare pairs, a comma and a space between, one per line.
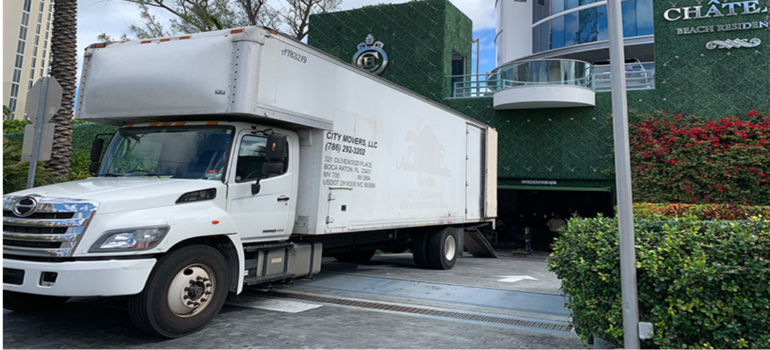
370, 56
715, 9
539, 182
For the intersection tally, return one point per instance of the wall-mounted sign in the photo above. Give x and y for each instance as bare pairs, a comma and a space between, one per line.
370, 56
714, 9
539, 182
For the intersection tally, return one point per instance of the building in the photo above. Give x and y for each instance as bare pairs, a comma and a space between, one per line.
26, 49
549, 95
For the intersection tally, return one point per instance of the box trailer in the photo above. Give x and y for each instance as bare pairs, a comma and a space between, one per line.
243, 157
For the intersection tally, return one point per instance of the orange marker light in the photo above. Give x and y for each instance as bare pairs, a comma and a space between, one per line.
99, 46
184, 37
179, 124
212, 123
128, 126
164, 40
153, 124
165, 124
215, 222
236, 31
146, 41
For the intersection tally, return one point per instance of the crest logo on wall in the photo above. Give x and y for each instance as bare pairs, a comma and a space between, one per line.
370, 56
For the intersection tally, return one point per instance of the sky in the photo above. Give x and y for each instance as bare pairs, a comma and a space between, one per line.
113, 17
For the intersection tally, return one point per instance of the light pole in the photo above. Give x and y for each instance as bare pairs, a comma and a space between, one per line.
623, 177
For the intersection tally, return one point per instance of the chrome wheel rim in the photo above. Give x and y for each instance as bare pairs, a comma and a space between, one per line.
191, 290
450, 247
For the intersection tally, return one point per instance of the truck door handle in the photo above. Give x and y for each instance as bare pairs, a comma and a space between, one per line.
283, 198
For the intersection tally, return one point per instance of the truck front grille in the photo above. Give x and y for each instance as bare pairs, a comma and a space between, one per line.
49, 227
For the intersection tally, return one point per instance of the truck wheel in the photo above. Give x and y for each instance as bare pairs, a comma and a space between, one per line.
420, 249
23, 302
358, 257
442, 249
184, 293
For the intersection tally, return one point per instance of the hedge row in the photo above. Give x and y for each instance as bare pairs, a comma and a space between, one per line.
703, 284
726, 211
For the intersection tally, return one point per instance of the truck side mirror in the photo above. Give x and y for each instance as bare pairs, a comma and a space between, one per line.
275, 151
96, 155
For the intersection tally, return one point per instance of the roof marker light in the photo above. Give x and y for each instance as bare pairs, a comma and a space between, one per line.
153, 124
179, 124
184, 37
236, 31
146, 41
128, 125
212, 123
165, 124
164, 40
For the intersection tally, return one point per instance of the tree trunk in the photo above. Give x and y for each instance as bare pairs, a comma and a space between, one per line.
63, 68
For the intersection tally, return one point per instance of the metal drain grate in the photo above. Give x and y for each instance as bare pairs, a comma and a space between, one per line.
428, 312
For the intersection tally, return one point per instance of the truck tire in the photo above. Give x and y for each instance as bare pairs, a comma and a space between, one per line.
185, 291
23, 302
358, 257
420, 249
442, 249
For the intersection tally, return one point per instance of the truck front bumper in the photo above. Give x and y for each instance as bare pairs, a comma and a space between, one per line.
77, 278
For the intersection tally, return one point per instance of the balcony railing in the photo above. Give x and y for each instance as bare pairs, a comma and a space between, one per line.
549, 72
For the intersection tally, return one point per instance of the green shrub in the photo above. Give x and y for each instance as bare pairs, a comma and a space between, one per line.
703, 284
14, 125
15, 172
726, 211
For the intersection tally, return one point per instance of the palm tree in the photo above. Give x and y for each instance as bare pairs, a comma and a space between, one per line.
63, 68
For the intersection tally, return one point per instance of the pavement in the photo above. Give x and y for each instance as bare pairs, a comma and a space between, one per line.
482, 303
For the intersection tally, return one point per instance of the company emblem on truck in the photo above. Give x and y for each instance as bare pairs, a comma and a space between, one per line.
370, 56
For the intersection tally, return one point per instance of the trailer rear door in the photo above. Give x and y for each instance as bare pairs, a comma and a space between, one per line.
474, 172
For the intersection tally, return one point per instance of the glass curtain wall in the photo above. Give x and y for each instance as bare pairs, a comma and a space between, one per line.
587, 25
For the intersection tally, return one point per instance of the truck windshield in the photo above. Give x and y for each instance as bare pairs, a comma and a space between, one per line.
185, 152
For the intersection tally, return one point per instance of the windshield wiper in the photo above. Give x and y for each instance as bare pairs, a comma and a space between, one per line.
110, 175
145, 174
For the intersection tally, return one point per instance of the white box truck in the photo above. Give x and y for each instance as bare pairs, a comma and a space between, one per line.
242, 158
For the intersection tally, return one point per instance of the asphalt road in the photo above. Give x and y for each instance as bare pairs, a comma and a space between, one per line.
388, 303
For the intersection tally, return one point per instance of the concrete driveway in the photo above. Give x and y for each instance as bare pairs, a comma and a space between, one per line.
509, 302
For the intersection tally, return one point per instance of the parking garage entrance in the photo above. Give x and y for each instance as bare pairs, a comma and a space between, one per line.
539, 210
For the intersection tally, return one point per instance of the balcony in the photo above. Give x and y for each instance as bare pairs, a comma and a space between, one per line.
549, 83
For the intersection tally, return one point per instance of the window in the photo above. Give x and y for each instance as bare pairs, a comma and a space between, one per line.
23, 33
458, 68
252, 162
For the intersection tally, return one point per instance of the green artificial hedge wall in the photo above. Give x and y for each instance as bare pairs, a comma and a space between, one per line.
419, 38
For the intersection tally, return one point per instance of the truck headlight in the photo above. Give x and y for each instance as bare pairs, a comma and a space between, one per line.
139, 238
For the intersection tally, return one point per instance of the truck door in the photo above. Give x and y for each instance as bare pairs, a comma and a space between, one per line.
474, 172
268, 213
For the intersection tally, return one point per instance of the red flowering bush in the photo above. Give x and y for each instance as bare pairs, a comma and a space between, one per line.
689, 160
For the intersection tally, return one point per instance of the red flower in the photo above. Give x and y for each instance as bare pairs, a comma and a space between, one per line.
753, 113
